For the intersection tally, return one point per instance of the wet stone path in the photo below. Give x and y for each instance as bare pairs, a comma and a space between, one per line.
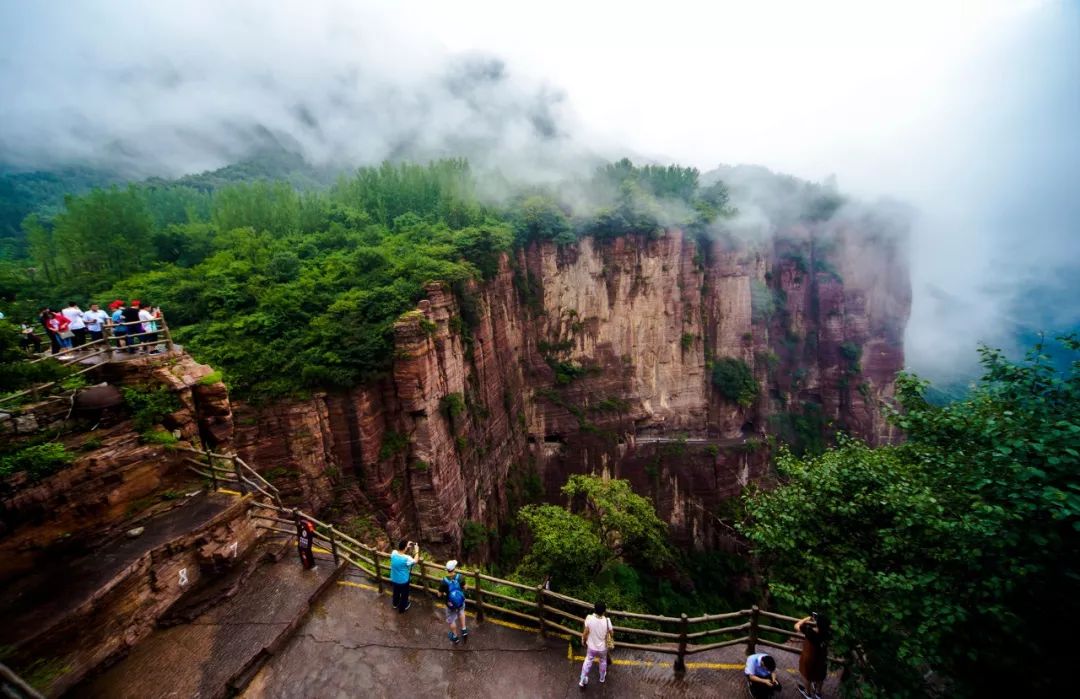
199, 658
353, 644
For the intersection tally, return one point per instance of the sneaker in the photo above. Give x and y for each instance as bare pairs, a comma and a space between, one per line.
453, 639
602, 679
464, 633
407, 607
584, 681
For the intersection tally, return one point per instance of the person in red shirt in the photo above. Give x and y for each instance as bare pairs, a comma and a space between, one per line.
63, 326
49, 322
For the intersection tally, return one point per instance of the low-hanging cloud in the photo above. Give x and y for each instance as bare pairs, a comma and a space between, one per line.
168, 89
967, 113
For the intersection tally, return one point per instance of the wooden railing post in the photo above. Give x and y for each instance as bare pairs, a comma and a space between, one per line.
751, 637
213, 474
333, 544
680, 664
479, 596
540, 608
168, 335
378, 570
423, 580
239, 476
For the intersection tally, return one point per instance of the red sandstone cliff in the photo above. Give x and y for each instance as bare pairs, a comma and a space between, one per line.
578, 358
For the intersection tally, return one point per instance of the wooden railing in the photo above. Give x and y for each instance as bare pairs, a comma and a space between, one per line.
107, 349
238, 473
14, 687
546, 611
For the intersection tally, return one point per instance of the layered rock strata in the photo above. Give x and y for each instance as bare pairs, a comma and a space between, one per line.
597, 357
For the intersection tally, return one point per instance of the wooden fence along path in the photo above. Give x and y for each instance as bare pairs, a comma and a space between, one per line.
107, 349
538, 607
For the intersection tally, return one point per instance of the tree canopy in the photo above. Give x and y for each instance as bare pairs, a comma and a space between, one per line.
286, 290
956, 553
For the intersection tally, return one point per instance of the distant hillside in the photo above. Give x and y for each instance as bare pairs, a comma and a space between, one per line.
43, 191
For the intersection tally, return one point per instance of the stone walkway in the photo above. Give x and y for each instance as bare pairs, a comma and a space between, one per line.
355, 645
198, 659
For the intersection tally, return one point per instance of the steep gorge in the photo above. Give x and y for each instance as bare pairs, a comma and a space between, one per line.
597, 357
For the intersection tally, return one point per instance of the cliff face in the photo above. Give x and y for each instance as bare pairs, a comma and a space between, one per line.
597, 357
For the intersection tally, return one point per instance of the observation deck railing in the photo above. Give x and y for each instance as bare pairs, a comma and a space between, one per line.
107, 349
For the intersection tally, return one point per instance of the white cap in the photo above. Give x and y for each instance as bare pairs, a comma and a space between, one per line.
450, 565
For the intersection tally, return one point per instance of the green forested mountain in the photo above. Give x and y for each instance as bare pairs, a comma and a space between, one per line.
286, 288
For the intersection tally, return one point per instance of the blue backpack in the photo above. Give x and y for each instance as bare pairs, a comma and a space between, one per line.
455, 596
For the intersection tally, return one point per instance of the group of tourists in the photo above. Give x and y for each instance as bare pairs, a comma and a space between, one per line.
598, 633
134, 326
760, 670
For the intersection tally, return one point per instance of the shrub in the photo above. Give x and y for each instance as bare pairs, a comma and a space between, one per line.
37, 461
473, 536
393, 443
733, 378
687, 341
762, 301
163, 437
211, 378
452, 404
150, 405
851, 352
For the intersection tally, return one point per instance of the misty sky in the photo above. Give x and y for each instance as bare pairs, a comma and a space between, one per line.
967, 110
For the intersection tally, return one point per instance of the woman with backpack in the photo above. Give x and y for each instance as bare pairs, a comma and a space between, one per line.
598, 637
452, 589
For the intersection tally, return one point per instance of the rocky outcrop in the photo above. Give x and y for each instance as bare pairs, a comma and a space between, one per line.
116, 476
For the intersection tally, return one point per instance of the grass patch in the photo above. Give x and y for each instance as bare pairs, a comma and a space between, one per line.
211, 378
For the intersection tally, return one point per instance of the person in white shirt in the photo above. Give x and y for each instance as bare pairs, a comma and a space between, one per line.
146, 315
95, 320
595, 636
78, 328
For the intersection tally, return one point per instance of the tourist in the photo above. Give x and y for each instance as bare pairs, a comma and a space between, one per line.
149, 328
74, 316
598, 636
452, 589
305, 539
119, 330
51, 325
28, 338
401, 564
130, 315
760, 674
814, 659
63, 330
96, 320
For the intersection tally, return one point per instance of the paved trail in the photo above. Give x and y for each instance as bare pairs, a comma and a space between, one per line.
355, 645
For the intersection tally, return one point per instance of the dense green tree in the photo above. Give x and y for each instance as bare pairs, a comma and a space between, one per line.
950, 561
15, 372
607, 526
105, 234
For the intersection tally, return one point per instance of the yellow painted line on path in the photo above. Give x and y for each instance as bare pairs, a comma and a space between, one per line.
653, 663
362, 586
489, 619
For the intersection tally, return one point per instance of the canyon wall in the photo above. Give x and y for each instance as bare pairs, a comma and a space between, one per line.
598, 357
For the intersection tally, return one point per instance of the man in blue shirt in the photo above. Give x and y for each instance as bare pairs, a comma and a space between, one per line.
401, 564
760, 674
